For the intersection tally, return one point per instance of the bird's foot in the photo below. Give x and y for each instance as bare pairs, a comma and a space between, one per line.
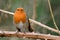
24, 36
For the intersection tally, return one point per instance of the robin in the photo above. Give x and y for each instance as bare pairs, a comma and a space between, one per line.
21, 21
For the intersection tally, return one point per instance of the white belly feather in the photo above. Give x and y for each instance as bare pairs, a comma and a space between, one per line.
22, 26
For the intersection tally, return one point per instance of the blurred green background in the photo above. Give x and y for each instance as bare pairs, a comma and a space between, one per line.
42, 14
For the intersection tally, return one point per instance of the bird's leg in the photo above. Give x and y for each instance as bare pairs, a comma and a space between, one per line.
18, 30
24, 30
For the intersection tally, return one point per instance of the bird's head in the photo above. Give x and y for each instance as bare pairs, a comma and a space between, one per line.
19, 10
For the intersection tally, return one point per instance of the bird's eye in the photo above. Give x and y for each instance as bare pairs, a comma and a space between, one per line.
17, 9
21, 9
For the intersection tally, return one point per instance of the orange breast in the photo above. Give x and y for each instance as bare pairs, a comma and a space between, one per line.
19, 17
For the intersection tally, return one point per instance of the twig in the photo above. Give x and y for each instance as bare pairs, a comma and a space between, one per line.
38, 23
51, 12
27, 35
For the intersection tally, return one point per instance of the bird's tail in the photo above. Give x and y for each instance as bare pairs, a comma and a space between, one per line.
29, 27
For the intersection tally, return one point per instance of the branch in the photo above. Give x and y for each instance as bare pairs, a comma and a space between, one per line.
51, 12
38, 23
27, 35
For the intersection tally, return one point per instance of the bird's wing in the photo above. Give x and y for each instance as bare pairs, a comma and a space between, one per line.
29, 25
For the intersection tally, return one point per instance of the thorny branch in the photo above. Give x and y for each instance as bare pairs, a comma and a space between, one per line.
27, 35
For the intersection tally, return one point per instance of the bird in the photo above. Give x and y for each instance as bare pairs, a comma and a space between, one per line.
21, 21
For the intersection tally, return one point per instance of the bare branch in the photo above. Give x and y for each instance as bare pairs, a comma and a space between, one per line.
51, 12
38, 23
27, 35
44, 26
